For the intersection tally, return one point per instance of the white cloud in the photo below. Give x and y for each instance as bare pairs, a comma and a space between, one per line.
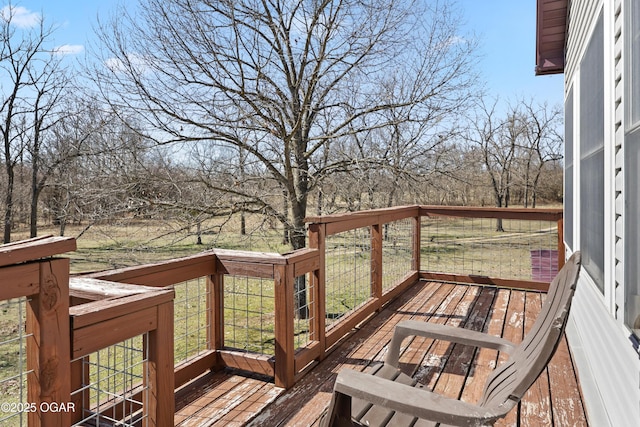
114, 64
69, 49
137, 62
20, 16
455, 40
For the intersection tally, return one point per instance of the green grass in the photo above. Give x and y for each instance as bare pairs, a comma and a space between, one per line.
12, 357
131, 242
473, 246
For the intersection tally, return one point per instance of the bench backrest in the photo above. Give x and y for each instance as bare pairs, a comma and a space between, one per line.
508, 383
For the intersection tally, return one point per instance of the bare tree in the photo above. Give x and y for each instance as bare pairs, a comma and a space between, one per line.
543, 144
24, 59
282, 79
497, 140
515, 147
49, 84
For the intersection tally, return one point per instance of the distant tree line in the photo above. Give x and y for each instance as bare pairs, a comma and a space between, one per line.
194, 110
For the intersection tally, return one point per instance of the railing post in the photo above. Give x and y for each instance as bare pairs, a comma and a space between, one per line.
561, 249
376, 261
284, 308
215, 312
48, 346
317, 240
415, 258
160, 407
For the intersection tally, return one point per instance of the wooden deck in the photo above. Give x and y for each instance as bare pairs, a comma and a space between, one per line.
231, 399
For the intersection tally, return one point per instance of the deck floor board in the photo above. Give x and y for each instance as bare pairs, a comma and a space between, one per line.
228, 398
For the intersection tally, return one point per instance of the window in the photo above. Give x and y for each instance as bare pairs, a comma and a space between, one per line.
631, 167
568, 170
633, 64
592, 156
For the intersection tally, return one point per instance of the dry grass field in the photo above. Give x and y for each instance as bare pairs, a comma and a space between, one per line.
130, 242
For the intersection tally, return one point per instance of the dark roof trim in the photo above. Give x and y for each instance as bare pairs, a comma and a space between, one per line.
551, 30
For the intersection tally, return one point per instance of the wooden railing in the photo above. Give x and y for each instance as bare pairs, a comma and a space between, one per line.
273, 314
515, 240
214, 266
371, 251
28, 270
107, 315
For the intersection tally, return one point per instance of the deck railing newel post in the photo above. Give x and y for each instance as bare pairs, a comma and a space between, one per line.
317, 240
159, 402
376, 261
48, 346
215, 312
284, 312
415, 256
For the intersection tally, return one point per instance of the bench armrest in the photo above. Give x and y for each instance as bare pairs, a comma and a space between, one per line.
420, 403
436, 331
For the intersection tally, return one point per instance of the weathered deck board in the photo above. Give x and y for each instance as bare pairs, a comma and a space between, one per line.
513, 330
535, 405
226, 398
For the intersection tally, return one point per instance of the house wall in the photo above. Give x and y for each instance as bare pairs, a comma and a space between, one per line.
607, 362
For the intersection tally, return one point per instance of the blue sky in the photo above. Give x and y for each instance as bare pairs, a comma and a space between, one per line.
505, 28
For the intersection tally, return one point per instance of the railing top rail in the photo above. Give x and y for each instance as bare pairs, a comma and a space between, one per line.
465, 211
163, 273
339, 223
249, 256
493, 212
97, 289
372, 213
177, 270
36, 248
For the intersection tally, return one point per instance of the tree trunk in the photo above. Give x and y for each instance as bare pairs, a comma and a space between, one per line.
286, 233
8, 212
499, 226
298, 241
33, 217
319, 202
35, 195
199, 232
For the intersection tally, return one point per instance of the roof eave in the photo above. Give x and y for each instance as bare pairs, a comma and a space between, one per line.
551, 30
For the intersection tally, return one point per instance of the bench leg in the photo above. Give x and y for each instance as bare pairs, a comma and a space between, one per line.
339, 412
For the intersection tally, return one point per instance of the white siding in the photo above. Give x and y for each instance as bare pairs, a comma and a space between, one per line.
606, 363
582, 16
618, 161
608, 366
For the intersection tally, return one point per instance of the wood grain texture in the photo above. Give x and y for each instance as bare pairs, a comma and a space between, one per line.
36, 248
48, 349
19, 280
160, 401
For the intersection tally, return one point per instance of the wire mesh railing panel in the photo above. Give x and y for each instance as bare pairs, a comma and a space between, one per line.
506, 248
191, 323
347, 272
249, 314
303, 316
13, 363
113, 385
396, 251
